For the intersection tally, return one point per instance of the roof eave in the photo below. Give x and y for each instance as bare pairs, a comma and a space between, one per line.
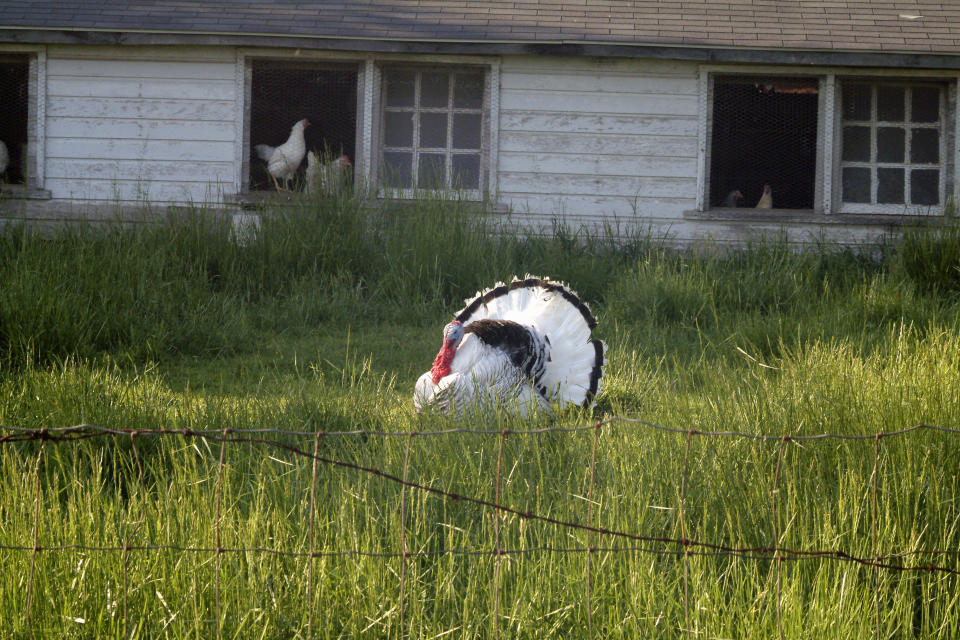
620, 49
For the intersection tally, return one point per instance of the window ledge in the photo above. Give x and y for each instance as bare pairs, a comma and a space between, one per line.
20, 192
254, 199
811, 216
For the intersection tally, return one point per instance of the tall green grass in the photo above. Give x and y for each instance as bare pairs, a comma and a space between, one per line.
323, 320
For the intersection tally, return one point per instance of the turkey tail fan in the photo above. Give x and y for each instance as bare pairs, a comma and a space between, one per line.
574, 369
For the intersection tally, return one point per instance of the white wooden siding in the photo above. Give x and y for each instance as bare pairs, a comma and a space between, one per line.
159, 126
598, 142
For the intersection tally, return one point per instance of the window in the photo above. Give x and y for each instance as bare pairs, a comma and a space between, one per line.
14, 118
432, 129
764, 132
283, 92
891, 146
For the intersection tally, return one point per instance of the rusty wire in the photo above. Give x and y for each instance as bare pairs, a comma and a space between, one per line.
683, 546
684, 537
36, 535
593, 469
90, 430
403, 530
228, 436
313, 498
776, 528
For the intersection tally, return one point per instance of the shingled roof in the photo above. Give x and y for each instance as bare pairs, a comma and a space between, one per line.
885, 26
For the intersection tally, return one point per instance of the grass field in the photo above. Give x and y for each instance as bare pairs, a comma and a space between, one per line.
324, 320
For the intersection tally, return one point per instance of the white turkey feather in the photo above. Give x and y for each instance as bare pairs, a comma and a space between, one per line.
524, 343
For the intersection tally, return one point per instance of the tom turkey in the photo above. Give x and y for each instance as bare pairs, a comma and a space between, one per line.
521, 346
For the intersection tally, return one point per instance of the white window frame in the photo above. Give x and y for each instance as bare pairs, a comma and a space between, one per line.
827, 196
36, 115
942, 165
705, 129
488, 134
369, 113
243, 78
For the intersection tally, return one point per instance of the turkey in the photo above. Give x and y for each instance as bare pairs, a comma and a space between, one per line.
524, 345
325, 178
283, 161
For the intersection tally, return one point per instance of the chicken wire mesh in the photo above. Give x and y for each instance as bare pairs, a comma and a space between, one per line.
764, 133
283, 93
14, 106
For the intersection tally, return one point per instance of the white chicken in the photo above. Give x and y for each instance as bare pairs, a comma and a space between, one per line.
328, 177
283, 161
4, 159
766, 200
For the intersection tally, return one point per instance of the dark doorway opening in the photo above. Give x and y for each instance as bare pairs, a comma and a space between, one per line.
284, 92
764, 133
14, 110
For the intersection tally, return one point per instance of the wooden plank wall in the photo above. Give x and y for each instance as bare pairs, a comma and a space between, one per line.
591, 141
140, 125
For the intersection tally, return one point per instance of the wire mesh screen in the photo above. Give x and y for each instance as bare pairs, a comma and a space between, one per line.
764, 145
14, 90
284, 93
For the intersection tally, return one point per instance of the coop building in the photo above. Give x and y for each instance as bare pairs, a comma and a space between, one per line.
688, 121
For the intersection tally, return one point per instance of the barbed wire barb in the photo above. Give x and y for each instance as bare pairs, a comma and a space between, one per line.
686, 547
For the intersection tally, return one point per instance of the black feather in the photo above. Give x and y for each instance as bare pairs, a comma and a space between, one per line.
526, 353
464, 316
596, 373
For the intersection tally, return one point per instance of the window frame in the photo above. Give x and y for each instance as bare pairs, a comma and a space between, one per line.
945, 165
244, 88
827, 192
36, 117
488, 112
706, 143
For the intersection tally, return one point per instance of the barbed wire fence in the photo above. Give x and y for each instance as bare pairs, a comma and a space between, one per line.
684, 546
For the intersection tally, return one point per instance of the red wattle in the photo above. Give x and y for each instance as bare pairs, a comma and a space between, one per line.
441, 364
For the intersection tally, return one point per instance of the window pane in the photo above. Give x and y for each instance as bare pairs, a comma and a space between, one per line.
466, 130
856, 184
400, 88
925, 104
890, 142
856, 101
890, 186
468, 91
398, 129
924, 145
856, 144
890, 103
925, 186
433, 130
466, 171
434, 90
431, 172
397, 169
